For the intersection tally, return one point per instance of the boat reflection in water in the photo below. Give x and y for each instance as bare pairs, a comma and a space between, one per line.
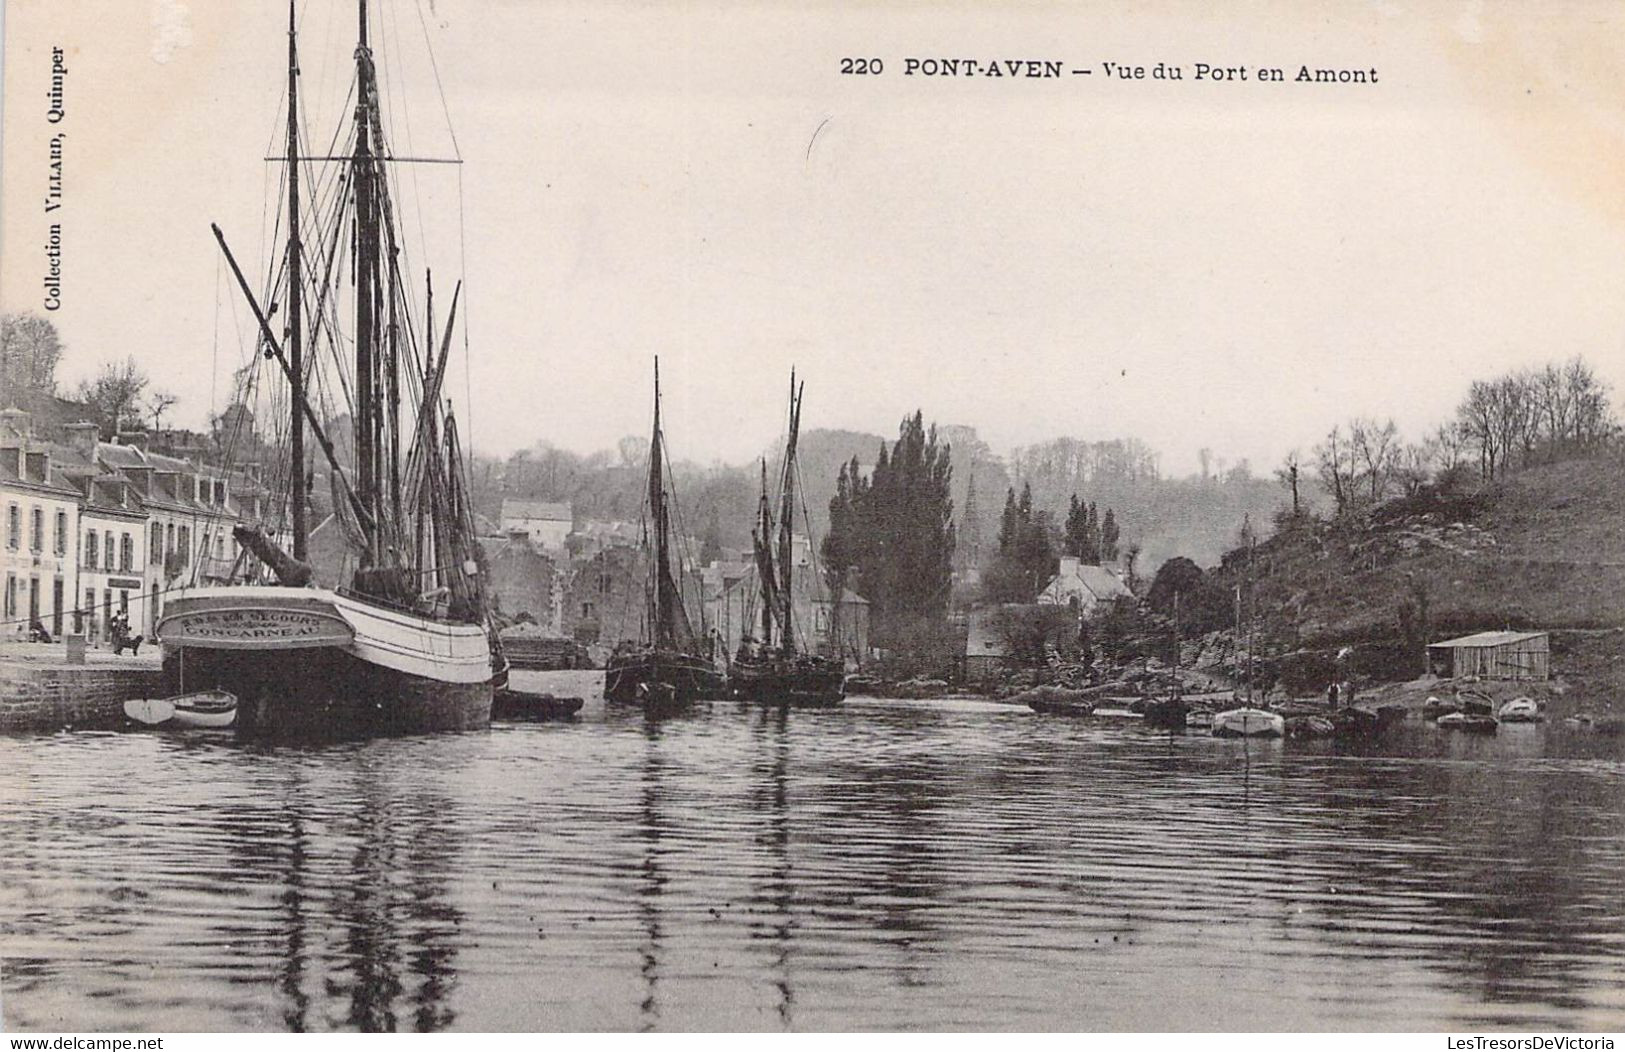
874, 865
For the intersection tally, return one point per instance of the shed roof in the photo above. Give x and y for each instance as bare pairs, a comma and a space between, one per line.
1489, 639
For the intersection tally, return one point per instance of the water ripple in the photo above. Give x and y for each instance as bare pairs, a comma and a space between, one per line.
877, 866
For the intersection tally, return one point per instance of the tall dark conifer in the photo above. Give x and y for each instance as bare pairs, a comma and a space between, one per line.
894, 533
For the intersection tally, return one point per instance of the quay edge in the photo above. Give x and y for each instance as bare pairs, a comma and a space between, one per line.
52, 697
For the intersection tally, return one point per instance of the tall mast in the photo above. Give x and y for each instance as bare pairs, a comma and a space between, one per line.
657, 514
296, 334
366, 262
762, 537
787, 519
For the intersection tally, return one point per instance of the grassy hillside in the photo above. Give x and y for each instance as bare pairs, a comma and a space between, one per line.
1545, 549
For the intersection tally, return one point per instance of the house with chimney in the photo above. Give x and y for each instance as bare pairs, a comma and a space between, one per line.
1082, 586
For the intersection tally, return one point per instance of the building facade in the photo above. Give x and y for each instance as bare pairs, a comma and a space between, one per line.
39, 524
545, 523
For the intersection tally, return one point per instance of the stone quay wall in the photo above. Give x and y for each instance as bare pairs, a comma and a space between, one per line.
49, 698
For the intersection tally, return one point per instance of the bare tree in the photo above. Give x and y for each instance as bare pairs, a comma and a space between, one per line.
1591, 415
114, 396
1334, 460
1478, 415
1414, 465
1374, 447
1449, 442
158, 404
1287, 475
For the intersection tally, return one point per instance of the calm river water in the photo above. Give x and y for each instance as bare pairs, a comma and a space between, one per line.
882, 865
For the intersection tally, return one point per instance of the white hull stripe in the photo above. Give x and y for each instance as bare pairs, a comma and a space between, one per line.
392, 639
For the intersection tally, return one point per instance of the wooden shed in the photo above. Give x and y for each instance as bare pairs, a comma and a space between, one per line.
1493, 655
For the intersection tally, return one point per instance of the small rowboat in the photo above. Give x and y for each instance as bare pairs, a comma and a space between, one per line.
1462, 721
1248, 723
205, 708
1436, 707
1057, 701
1521, 710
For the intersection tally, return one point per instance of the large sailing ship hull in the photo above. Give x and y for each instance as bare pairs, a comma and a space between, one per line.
655, 679
787, 682
308, 661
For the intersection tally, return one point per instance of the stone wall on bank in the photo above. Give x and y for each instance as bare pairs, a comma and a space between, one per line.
47, 698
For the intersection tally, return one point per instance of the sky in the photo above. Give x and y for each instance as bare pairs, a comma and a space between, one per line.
1224, 265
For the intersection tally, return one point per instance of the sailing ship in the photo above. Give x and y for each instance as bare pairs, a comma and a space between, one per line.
1246, 721
772, 669
407, 644
667, 668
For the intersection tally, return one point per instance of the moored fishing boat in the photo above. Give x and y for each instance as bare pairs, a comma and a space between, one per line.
667, 669
1248, 722
406, 644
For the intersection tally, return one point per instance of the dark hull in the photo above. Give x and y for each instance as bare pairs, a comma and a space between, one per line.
326, 692
1167, 714
521, 706
787, 682
661, 680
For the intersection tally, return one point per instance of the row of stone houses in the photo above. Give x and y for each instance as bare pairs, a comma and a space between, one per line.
598, 595
93, 527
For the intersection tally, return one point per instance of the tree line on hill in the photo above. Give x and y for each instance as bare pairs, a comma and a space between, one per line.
1524, 417
1364, 471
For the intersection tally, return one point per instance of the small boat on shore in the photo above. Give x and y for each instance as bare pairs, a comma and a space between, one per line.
1057, 701
1434, 707
204, 708
1248, 723
1521, 710
1200, 718
1469, 722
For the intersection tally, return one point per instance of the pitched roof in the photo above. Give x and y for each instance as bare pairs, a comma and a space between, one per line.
51, 486
1101, 582
1489, 639
551, 511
